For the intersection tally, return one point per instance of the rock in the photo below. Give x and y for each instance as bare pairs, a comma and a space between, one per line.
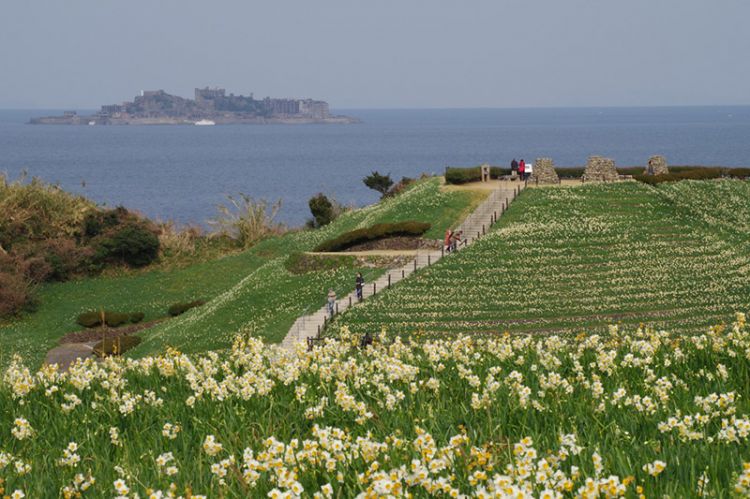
657, 165
544, 172
66, 354
599, 169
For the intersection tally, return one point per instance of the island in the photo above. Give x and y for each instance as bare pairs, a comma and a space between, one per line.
211, 106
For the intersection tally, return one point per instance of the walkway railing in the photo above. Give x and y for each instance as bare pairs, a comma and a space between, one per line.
311, 325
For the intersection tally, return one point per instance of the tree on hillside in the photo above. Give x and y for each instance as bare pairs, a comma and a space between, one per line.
322, 210
378, 182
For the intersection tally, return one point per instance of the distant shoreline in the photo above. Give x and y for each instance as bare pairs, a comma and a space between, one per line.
79, 120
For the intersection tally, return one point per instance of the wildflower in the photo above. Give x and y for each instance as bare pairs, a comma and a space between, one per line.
211, 446
21, 429
655, 468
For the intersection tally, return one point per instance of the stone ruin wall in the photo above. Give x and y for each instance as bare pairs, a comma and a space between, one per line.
657, 165
544, 172
600, 169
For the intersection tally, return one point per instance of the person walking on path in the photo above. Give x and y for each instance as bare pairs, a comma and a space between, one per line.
448, 240
455, 239
514, 166
522, 169
360, 283
331, 302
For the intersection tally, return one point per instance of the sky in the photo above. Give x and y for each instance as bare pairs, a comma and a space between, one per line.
79, 54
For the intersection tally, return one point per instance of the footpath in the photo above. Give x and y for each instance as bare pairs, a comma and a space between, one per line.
473, 228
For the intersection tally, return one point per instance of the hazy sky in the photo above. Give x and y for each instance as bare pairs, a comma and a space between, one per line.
379, 53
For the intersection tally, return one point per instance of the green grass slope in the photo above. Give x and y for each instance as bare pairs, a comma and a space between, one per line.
675, 255
251, 291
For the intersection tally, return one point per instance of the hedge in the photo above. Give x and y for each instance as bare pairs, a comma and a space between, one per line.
115, 346
182, 307
111, 319
374, 233
473, 174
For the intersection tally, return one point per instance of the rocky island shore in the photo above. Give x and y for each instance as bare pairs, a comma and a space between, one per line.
211, 106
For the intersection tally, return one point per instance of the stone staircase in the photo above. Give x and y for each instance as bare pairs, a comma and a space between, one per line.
474, 227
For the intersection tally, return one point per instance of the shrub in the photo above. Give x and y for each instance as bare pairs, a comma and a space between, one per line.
115, 346
35, 211
111, 319
34, 269
133, 243
137, 317
378, 182
462, 175
322, 210
180, 308
176, 241
373, 233
67, 259
692, 174
15, 295
90, 319
247, 220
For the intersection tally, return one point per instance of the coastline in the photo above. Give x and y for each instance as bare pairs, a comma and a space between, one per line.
218, 120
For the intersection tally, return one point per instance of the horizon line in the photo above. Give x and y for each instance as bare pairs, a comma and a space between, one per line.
442, 108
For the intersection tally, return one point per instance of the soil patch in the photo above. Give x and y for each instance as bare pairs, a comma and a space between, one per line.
99, 333
396, 243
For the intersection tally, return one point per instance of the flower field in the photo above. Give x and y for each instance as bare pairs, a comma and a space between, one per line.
250, 291
675, 256
625, 413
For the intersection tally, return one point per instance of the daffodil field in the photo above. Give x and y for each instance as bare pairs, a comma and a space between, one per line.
251, 291
625, 413
675, 256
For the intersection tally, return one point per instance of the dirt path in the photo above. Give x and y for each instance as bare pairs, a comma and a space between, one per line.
365, 253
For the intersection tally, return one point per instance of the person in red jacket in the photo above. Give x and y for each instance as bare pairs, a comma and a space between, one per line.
522, 169
447, 242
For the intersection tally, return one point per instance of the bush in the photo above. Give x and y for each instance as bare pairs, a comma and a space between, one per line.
116, 346
378, 182
455, 175
247, 220
111, 319
462, 175
137, 317
373, 233
133, 243
693, 174
180, 308
15, 295
322, 210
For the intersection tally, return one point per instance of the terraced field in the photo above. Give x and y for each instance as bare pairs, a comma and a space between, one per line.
561, 259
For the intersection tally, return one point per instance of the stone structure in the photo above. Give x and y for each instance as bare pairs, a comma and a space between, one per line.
544, 172
657, 165
599, 169
485, 169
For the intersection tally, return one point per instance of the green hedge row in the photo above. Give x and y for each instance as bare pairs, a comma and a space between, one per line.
472, 174
701, 174
97, 318
181, 308
373, 233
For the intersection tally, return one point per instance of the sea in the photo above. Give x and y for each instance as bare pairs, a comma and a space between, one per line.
182, 173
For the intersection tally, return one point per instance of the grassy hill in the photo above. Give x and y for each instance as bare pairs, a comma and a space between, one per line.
562, 259
251, 291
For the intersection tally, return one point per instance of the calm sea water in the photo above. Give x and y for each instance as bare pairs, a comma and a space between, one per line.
182, 172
